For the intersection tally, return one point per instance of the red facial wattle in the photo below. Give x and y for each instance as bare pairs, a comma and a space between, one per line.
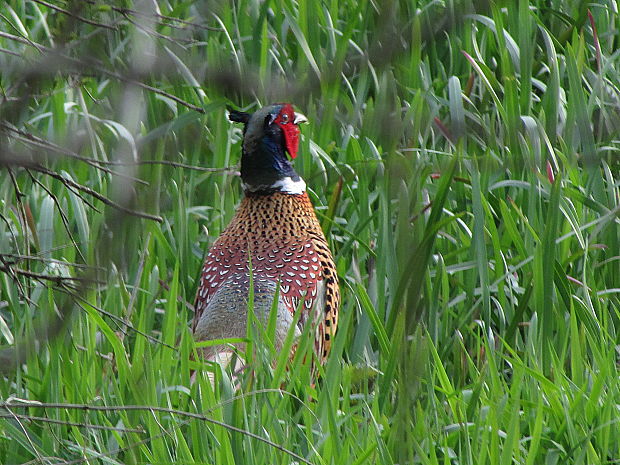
286, 121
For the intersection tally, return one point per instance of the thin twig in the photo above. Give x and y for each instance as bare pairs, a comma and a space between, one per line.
162, 17
19, 257
80, 65
20, 207
20, 287
63, 215
30, 138
25, 431
155, 33
10, 52
74, 16
116, 319
97, 195
10, 229
180, 299
136, 286
226, 169
16, 403
37, 141
71, 423
45, 277
39, 47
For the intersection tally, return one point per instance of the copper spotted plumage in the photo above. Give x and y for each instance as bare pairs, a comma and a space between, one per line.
275, 234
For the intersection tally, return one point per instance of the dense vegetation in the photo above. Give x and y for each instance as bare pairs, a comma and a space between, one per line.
464, 161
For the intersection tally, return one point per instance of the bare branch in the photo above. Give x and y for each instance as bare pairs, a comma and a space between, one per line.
44, 277
97, 195
6, 257
71, 423
63, 215
40, 48
13, 403
226, 169
60, 62
116, 319
30, 138
74, 16
127, 11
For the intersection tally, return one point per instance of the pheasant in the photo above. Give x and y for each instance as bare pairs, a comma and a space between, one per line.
274, 241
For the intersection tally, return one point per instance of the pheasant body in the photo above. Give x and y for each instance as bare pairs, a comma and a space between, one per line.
274, 240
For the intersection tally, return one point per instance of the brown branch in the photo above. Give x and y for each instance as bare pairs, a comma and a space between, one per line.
13, 356
74, 16
136, 286
18, 257
60, 61
97, 195
10, 229
39, 47
20, 207
11, 159
180, 299
63, 215
154, 90
127, 11
116, 319
30, 138
15, 404
156, 34
9, 52
21, 290
28, 438
71, 423
44, 277
226, 169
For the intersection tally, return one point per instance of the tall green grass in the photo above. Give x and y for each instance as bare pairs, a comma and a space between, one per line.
464, 162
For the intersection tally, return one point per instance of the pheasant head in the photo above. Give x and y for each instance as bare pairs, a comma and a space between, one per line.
269, 135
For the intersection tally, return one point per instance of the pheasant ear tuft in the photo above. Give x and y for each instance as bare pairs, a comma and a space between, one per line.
238, 116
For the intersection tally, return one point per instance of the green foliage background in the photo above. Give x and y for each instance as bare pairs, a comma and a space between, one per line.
463, 159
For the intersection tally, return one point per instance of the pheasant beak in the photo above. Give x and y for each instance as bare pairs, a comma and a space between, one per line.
299, 118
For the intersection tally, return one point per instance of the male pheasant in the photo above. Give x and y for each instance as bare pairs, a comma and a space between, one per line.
276, 239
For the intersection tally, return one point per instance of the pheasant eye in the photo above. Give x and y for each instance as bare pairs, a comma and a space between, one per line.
284, 118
